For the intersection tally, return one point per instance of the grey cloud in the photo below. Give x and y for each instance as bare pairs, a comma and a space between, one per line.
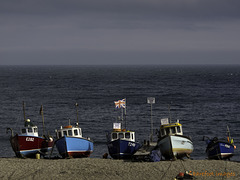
114, 29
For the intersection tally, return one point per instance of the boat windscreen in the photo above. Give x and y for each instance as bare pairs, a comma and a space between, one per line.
75, 132
121, 135
127, 135
69, 132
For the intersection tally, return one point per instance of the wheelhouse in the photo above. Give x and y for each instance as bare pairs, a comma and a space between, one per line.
123, 135
119, 133
69, 131
170, 129
30, 131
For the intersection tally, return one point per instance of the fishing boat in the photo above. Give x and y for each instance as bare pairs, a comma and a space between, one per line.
171, 141
121, 142
70, 142
220, 149
28, 143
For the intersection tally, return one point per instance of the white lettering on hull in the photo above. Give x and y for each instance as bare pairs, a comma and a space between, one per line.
29, 139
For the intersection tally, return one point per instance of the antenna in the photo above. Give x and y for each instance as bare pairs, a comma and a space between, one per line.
77, 113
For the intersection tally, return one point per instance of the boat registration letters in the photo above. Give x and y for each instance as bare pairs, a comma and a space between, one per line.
29, 139
131, 144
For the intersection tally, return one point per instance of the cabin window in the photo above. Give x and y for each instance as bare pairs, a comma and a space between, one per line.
75, 132
65, 133
167, 131
127, 135
59, 134
23, 130
114, 136
70, 132
173, 130
29, 129
35, 130
121, 135
178, 129
132, 136
162, 132
80, 132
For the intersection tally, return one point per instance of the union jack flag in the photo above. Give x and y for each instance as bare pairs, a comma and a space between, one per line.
120, 104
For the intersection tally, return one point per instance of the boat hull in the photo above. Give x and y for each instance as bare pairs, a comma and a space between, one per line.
29, 146
175, 146
220, 150
122, 149
74, 147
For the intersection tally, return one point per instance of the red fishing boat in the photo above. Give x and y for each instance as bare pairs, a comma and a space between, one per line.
28, 143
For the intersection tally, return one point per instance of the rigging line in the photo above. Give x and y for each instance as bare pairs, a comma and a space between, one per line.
183, 165
225, 170
166, 170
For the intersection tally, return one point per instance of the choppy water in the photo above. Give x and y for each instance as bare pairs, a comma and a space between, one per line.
204, 98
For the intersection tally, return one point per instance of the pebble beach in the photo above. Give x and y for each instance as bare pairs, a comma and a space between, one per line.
94, 168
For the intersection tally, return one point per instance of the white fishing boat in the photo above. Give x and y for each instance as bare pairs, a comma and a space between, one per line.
171, 141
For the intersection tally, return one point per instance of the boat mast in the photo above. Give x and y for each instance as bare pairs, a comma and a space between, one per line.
228, 135
24, 115
41, 112
151, 100
77, 112
169, 113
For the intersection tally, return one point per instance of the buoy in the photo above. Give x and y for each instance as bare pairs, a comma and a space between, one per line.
105, 156
181, 174
37, 156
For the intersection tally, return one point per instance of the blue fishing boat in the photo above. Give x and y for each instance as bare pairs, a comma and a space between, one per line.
70, 142
220, 149
121, 142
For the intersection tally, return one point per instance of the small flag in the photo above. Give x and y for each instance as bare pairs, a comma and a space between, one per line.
120, 104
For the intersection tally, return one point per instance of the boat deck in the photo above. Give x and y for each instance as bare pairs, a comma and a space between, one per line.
144, 152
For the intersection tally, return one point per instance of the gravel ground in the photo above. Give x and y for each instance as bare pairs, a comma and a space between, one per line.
93, 168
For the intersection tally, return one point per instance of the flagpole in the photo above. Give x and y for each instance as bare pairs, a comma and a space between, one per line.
122, 114
125, 113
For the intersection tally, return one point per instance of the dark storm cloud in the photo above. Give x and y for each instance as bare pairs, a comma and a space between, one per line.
105, 31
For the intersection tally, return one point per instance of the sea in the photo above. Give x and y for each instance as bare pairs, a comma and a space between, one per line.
204, 98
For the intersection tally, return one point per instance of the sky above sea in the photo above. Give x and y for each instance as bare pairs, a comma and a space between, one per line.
93, 32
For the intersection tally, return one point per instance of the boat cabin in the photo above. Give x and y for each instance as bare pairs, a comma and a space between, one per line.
170, 129
122, 134
69, 131
29, 129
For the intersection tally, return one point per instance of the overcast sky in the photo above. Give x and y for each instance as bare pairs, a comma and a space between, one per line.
44, 32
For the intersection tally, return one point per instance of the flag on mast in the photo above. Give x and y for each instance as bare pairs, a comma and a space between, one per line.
120, 104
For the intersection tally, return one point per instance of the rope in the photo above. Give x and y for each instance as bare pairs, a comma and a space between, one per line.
166, 170
183, 165
225, 170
